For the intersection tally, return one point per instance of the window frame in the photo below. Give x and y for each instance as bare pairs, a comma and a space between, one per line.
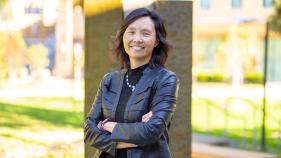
234, 4
205, 4
268, 3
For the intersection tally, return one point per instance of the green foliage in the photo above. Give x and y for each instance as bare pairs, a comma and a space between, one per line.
5, 10
37, 57
12, 53
211, 77
77, 2
3, 2
3, 65
253, 77
275, 20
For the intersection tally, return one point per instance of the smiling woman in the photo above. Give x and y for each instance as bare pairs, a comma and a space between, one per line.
139, 41
145, 25
134, 106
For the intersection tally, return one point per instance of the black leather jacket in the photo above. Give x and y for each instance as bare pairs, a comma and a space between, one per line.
156, 91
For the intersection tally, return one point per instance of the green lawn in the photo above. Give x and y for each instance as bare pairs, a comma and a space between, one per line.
239, 120
53, 127
41, 127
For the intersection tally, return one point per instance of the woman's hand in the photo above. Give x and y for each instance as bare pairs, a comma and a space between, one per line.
147, 116
122, 145
108, 126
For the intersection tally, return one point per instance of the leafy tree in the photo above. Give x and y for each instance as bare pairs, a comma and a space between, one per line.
12, 54
275, 20
5, 11
77, 2
3, 65
3, 2
37, 58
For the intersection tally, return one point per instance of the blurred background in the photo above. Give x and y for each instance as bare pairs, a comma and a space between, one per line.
236, 76
41, 79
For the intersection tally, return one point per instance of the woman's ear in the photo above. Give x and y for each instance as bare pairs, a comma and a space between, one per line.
156, 43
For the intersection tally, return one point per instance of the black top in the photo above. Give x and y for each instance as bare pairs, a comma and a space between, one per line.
134, 76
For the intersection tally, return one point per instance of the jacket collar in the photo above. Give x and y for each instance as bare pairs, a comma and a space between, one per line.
145, 81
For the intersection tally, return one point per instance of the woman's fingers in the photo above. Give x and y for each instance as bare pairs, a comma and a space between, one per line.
147, 116
144, 118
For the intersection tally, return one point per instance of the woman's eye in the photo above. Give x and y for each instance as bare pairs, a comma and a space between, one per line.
131, 32
146, 34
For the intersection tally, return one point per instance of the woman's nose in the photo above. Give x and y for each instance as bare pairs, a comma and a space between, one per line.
138, 38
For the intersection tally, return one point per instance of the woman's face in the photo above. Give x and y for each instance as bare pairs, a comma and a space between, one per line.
139, 40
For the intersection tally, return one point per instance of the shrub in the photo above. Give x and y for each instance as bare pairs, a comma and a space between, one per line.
210, 77
255, 77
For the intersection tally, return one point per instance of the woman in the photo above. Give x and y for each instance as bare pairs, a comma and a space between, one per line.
134, 106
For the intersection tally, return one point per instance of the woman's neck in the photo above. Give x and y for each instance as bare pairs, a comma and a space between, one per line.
137, 71
137, 63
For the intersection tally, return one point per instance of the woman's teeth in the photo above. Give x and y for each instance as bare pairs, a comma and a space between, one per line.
137, 47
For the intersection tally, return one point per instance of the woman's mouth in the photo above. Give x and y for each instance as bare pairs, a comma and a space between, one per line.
137, 48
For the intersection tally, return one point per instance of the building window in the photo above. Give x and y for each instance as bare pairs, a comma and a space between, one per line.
268, 3
236, 3
205, 4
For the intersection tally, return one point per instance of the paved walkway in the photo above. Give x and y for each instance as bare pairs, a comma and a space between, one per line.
65, 87
50, 87
221, 90
207, 147
201, 150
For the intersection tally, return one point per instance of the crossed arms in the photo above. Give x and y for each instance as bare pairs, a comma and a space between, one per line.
127, 135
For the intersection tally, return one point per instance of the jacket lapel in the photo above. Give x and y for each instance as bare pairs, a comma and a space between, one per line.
149, 74
146, 81
119, 84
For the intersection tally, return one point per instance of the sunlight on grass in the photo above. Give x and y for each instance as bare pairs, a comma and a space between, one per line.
238, 121
41, 127
55, 103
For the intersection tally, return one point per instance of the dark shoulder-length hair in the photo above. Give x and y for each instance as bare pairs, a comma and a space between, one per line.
160, 52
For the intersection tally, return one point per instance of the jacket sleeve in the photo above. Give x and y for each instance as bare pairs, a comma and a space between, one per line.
163, 106
93, 136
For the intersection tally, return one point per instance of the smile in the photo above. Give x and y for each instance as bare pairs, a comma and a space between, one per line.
137, 48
